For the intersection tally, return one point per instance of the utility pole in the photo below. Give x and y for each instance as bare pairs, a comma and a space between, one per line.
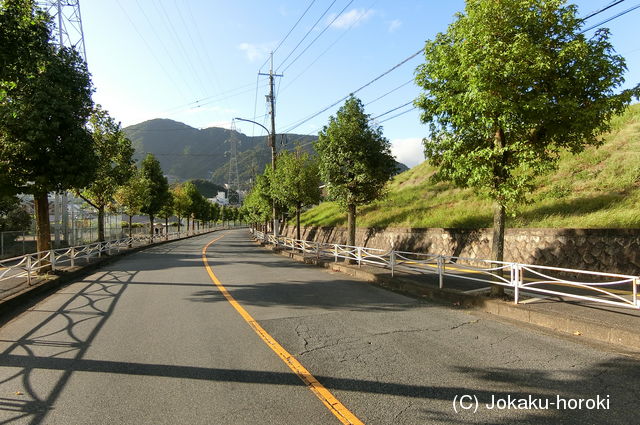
272, 136
233, 180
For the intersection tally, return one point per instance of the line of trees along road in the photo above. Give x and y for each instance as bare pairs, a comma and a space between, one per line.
53, 138
509, 86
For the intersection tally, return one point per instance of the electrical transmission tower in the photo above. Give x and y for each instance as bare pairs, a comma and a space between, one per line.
233, 179
68, 21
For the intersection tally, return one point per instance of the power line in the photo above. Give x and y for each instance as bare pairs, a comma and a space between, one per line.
166, 50
397, 115
290, 31
304, 120
318, 36
228, 94
177, 38
306, 35
597, 12
389, 92
611, 18
135, 27
353, 24
199, 57
391, 110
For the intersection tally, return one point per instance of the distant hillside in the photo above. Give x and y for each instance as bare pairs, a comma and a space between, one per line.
187, 153
599, 188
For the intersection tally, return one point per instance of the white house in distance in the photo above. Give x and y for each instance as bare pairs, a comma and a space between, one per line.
220, 199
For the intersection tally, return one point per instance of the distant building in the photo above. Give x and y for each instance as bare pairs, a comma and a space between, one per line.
220, 199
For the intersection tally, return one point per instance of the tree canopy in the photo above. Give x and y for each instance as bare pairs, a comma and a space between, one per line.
45, 102
158, 187
509, 86
296, 182
355, 159
114, 159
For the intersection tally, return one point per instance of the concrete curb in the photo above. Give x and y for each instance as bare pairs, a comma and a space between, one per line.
570, 325
21, 301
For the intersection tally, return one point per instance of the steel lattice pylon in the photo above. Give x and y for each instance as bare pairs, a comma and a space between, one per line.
68, 21
233, 179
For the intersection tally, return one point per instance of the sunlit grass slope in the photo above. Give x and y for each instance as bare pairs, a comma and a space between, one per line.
599, 188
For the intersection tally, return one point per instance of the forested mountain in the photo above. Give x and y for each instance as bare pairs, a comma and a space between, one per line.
187, 153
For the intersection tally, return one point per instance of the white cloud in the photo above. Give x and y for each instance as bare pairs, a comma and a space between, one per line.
352, 17
254, 51
394, 25
408, 151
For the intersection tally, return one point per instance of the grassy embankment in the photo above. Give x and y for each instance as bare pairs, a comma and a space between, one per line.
598, 188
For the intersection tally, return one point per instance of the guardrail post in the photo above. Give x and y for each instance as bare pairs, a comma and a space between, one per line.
515, 281
29, 270
440, 271
392, 261
636, 282
359, 254
73, 256
52, 257
335, 252
317, 250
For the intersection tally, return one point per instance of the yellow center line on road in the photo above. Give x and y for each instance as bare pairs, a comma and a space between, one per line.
333, 404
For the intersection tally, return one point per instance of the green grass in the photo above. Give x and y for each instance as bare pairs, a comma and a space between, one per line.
598, 188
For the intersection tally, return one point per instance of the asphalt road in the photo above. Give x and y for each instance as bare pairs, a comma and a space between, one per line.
150, 339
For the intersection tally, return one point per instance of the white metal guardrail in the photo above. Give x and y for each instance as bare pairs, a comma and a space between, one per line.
608, 288
28, 266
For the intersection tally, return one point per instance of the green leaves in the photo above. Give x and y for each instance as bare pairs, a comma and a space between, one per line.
508, 87
134, 194
114, 159
45, 102
158, 186
355, 159
296, 181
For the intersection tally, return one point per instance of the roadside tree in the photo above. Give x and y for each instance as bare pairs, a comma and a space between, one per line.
509, 86
45, 102
133, 195
355, 160
297, 182
158, 188
114, 160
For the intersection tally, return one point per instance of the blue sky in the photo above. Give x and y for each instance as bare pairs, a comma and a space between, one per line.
197, 61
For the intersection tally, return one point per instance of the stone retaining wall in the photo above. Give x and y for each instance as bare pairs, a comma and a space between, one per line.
605, 250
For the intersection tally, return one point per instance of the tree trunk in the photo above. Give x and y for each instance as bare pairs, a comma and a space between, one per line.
188, 225
351, 227
43, 227
101, 224
299, 207
497, 246
152, 229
